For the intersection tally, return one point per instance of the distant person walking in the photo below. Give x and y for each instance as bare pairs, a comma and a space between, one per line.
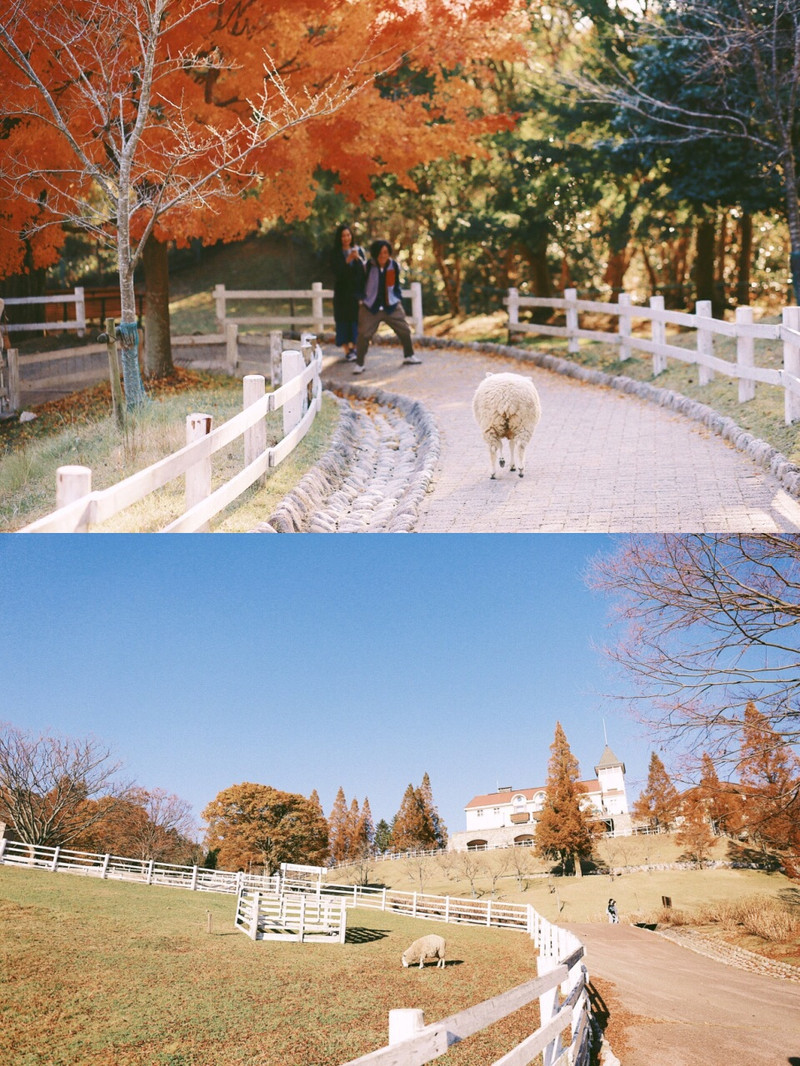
612, 911
381, 301
347, 262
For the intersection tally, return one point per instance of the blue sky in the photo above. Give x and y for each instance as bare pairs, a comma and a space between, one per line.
308, 662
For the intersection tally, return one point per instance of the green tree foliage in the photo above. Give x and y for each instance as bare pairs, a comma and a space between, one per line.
383, 836
659, 802
770, 774
257, 825
567, 827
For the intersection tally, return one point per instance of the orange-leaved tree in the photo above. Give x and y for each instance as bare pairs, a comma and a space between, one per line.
770, 775
139, 120
257, 825
567, 825
658, 803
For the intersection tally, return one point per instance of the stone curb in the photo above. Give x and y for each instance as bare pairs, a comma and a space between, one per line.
730, 954
759, 451
330, 473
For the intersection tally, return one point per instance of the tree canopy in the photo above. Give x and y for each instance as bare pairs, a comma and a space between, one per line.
567, 825
257, 825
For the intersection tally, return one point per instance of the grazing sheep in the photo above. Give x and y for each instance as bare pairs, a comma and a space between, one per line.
427, 947
507, 405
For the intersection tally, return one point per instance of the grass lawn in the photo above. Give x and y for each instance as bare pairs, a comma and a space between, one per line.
80, 430
103, 973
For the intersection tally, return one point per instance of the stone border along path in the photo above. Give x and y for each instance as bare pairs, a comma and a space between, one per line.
610, 455
374, 475
731, 954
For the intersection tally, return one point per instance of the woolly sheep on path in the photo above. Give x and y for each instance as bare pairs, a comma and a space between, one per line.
507, 405
427, 947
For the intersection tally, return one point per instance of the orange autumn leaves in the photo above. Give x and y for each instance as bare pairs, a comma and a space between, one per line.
357, 88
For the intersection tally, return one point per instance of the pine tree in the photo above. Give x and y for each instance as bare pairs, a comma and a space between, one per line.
770, 774
338, 828
658, 804
438, 829
353, 828
565, 830
383, 836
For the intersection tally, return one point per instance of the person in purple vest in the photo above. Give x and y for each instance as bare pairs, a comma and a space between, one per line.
381, 301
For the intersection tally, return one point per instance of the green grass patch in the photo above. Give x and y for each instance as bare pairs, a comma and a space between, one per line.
80, 430
102, 972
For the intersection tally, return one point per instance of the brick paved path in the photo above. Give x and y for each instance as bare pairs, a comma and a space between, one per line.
601, 460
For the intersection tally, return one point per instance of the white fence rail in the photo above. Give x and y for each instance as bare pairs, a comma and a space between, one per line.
743, 329
316, 317
291, 916
271, 908
77, 323
78, 508
142, 871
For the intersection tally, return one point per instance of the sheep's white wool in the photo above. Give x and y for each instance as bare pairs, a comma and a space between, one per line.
431, 946
507, 406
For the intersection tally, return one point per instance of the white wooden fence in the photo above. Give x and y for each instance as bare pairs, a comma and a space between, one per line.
78, 508
291, 916
77, 323
282, 908
743, 329
316, 318
142, 871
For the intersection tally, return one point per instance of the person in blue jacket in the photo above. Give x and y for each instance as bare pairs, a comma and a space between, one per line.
381, 301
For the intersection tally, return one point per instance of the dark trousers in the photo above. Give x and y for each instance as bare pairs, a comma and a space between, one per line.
368, 322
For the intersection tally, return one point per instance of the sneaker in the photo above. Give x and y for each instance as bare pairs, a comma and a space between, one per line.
359, 369
411, 360
350, 357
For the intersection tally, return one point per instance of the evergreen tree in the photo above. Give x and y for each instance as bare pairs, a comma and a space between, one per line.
566, 830
354, 844
658, 804
338, 828
383, 836
770, 774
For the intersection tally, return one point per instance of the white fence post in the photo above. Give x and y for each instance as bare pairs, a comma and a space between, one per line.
255, 438
573, 344
316, 307
659, 335
791, 363
106, 860
80, 310
547, 1008
624, 304
416, 308
745, 354
73, 482
513, 310
231, 346
54, 863
198, 476
14, 399
705, 340
150, 867
404, 1024
219, 304
292, 364
275, 349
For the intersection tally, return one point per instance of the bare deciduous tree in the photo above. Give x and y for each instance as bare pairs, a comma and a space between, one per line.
707, 623
45, 782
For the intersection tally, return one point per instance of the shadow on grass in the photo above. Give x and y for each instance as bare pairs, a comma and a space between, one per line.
360, 935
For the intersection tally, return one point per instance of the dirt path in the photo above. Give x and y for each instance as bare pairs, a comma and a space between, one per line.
667, 1004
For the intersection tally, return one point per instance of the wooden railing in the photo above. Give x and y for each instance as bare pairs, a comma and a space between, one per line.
78, 507
315, 317
78, 323
743, 329
142, 871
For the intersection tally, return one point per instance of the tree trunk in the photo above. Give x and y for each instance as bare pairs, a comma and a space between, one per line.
158, 351
745, 260
127, 330
451, 276
704, 259
616, 269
